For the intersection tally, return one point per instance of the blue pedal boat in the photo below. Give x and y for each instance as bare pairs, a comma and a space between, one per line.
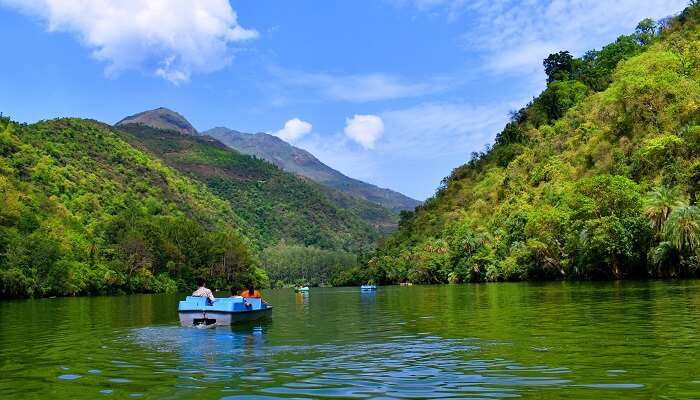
367, 288
195, 311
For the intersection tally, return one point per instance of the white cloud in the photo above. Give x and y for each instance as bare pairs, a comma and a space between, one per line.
364, 129
361, 88
171, 38
512, 31
424, 142
443, 129
370, 87
515, 36
453, 8
294, 129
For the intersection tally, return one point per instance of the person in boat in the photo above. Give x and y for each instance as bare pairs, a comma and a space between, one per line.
251, 293
202, 291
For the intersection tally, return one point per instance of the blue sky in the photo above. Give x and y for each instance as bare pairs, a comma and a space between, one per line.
393, 92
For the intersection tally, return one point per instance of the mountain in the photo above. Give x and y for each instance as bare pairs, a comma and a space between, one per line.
597, 178
301, 162
277, 205
84, 212
161, 118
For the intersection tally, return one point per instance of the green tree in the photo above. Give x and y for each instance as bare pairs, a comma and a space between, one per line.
560, 96
558, 66
646, 31
612, 229
658, 205
682, 230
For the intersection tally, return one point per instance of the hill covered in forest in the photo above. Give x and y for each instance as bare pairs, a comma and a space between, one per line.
84, 212
301, 162
275, 204
597, 177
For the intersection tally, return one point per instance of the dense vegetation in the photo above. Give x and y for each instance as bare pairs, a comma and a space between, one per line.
83, 212
289, 264
276, 205
598, 177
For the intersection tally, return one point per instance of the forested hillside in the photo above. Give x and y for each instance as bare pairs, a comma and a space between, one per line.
598, 177
276, 205
83, 212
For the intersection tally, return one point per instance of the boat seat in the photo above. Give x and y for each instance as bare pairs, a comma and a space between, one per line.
198, 301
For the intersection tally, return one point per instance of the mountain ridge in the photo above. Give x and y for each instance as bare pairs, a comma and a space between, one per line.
301, 162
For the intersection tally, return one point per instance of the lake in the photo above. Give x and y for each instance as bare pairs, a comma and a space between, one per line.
631, 340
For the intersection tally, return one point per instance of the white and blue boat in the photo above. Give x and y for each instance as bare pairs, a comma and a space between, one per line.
367, 288
301, 289
196, 311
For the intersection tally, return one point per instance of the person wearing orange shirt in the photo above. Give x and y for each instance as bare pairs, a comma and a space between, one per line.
251, 293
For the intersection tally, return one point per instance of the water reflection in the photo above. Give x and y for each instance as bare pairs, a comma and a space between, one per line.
301, 298
231, 345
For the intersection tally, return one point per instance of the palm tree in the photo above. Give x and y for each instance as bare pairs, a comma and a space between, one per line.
659, 204
665, 257
682, 229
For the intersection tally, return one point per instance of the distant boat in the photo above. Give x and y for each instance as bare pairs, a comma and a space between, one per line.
301, 289
366, 288
197, 311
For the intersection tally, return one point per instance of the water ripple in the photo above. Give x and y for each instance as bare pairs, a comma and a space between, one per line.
407, 366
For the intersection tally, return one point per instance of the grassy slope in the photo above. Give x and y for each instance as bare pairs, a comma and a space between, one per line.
276, 204
550, 203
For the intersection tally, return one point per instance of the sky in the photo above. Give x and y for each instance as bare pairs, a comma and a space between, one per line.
393, 92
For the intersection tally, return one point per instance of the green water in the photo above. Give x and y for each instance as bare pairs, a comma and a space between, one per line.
633, 340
